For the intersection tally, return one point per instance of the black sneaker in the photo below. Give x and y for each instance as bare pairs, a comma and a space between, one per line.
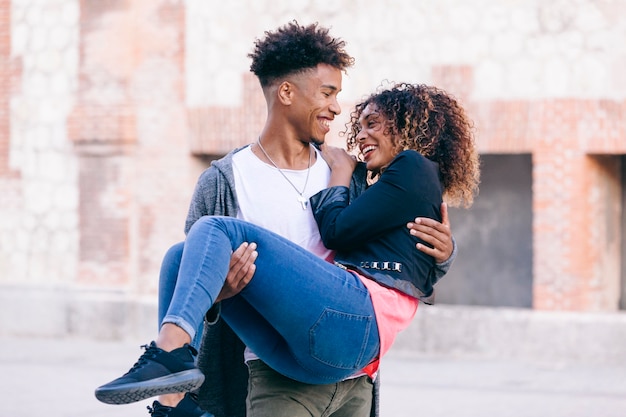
155, 373
188, 407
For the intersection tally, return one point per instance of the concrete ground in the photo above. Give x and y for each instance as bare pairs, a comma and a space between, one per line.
57, 377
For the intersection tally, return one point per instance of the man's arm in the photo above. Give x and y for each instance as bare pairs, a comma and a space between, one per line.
439, 236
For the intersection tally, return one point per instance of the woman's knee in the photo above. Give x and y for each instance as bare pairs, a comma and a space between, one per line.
210, 222
171, 259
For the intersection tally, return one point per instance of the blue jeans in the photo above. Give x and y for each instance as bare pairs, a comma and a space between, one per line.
304, 317
167, 284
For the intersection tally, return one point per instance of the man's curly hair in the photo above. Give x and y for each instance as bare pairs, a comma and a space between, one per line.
293, 48
431, 122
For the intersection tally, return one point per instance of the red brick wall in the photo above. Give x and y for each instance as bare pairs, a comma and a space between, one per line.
127, 122
5, 76
216, 130
105, 214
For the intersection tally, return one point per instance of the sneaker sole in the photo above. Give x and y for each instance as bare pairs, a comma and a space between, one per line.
130, 393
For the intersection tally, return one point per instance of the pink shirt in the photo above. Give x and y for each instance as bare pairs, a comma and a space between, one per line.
394, 312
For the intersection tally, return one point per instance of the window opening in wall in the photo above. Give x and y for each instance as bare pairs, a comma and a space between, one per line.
494, 238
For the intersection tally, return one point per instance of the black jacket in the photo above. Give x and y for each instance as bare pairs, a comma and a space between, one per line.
370, 233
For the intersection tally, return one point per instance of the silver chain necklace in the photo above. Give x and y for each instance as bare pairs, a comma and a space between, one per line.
301, 199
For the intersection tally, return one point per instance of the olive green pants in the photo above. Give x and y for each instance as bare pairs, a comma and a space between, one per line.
271, 394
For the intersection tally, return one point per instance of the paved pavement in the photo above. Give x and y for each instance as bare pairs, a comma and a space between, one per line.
56, 378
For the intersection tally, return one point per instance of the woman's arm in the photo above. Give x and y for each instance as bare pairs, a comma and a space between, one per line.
341, 164
409, 187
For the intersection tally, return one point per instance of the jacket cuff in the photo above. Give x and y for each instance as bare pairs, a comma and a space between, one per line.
329, 196
445, 265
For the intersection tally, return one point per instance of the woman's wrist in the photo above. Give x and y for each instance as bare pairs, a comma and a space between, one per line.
340, 177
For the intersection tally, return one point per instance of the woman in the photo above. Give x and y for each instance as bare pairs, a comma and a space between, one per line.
315, 321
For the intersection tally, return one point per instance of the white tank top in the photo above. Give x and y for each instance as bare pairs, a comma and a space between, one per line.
267, 199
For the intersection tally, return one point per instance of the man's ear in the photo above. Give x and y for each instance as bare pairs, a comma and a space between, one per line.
285, 92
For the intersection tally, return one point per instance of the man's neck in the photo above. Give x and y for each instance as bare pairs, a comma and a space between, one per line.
284, 152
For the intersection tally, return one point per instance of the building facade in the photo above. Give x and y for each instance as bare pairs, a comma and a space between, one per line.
109, 111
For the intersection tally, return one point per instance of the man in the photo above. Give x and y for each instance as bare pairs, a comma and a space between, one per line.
268, 183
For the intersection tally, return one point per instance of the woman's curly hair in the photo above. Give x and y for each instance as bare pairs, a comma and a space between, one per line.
293, 48
431, 122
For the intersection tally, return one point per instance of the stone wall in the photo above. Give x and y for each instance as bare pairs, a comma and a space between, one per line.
39, 225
